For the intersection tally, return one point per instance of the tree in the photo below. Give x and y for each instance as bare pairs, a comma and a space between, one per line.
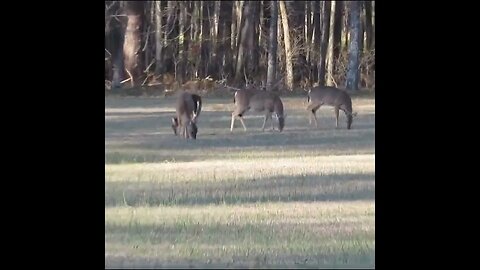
246, 39
158, 38
207, 10
324, 42
354, 46
288, 49
330, 53
133, 41
272, 45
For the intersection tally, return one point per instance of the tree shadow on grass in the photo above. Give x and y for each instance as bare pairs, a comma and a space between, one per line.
280, 188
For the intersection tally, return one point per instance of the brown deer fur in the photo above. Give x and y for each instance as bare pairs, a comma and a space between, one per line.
330, 96
188, 107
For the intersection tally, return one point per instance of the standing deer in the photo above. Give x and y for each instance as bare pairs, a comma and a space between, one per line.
188, 108
258, 101
330, 96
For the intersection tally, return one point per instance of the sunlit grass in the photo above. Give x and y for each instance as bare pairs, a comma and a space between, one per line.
300, 198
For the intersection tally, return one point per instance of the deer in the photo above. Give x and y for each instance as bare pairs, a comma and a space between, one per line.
188, 108
259, 101
330, 96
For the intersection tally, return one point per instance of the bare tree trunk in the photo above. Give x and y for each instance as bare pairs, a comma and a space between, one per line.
309, 29
148, 26
330, 55
216, 18
288, 50
337, 33
239, 12
317, 32
272, 45
368, 24
233, 30
118, 37
180, 71
354, 49
133, 41
170, 35
344, 27
324, 41
196, 51
372, 45
244, 41
158, 39
225, 63
205, 49
114, 40
188, 40
253, 55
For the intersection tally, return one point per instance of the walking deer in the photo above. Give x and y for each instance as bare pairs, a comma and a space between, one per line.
330, 96
188, 108
258, 101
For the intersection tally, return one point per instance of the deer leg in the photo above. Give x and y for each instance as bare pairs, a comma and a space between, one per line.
267, 115
233, 122
314, 113
336, 116
271, 120
243, 124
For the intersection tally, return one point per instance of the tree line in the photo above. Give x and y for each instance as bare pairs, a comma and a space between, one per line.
295, 44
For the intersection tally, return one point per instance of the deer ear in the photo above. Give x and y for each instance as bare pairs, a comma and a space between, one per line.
174, 121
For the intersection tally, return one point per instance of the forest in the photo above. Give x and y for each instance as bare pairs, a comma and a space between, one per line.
278, 45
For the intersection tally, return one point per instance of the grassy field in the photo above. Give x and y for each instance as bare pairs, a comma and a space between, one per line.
297, 199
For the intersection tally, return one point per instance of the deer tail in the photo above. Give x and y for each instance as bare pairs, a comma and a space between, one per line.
198, 104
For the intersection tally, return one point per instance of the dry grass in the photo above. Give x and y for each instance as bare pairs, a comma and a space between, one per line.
300, 198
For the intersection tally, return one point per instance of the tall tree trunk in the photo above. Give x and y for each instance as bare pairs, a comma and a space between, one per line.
368, 24
344, 43
353, 50
337, 33
324, 41
196, 51
253, 55
317, 32
330, 54
149, 7
244, 40
309, 28
372, 45
205, 49
272, 45
234, 33
188, 39
288, 49
216, 18
118, 37
133, 41
170, 35
225, 63
297, 9
180, 72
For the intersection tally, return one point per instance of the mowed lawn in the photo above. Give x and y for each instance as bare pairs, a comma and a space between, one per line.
301, 198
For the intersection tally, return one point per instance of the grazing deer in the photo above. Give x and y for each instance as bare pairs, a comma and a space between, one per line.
188, 108
330, 96
258, 101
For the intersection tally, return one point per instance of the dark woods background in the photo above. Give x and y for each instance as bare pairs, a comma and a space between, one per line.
284, 45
